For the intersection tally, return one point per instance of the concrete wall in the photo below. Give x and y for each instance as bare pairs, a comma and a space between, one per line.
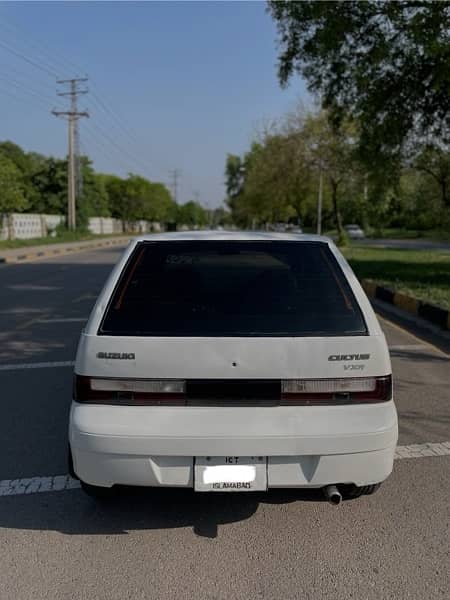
100, 225
26, 226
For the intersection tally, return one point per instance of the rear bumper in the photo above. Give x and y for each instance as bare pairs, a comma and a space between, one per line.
305, 446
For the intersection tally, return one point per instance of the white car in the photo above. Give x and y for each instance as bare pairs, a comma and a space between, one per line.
225, 361
355, 232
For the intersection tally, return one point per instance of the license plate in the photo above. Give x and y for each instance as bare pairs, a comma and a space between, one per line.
230, 474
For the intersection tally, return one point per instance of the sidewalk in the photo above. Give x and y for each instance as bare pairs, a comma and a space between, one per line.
31, 253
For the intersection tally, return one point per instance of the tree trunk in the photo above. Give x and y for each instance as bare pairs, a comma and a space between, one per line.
445, 199
337, 214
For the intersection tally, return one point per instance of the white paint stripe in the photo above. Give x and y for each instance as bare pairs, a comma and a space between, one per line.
68, 320
24, 287
34, 485
409, 347
421, 450
60, 483
22, 311
42, 365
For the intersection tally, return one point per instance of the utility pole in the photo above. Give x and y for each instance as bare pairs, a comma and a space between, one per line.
74, 182
174, 175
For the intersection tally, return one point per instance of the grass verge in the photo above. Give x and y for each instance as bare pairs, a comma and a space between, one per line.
65, 237
424, 274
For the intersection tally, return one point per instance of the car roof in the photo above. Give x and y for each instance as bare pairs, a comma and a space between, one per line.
231, 236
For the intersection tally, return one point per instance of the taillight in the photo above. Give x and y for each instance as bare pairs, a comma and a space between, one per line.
132, 392
354, 390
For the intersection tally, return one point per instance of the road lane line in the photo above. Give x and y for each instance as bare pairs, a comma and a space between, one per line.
42, 365
64, 320
34, 485
61, 483
422, 450
406, 347
29, 287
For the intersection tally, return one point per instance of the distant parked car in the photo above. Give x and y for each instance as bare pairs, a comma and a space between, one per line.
355, 232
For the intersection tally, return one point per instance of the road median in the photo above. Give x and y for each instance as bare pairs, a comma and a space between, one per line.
29, 254
429, 312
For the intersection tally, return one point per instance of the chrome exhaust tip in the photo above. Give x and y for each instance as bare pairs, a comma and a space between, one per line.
332, 494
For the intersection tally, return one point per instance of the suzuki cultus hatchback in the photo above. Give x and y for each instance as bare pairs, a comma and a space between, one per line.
233, 361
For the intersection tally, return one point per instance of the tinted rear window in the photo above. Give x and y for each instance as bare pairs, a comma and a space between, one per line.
233, 288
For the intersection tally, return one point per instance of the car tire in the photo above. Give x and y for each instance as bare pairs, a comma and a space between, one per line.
354, 491
96, 491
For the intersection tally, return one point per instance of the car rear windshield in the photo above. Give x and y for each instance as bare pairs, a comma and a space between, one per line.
232, 288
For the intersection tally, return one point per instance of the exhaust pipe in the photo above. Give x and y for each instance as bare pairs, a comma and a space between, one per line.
332, 494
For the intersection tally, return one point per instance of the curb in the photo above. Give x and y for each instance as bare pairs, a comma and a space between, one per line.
55, 251
429, 312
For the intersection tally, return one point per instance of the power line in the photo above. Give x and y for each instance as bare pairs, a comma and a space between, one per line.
26, 100
105, 150
115, 117
112, 141
49, 68
44, 49
50, 63
26, 76
99, 102
22, 87
28, 60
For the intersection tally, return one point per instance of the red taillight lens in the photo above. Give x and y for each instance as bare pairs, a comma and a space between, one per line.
131, 392
350, 390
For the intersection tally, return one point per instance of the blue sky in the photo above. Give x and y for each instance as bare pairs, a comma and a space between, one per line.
177, 85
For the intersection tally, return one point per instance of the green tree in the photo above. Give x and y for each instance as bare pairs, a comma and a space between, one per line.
385, 64
48, 179
12, 198
234, 175
332, 151
94, 201
163, 208
221, 217
115, 189
192, 214
434, 161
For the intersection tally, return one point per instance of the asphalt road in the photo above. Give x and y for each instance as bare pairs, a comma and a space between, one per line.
415, 244
174, 544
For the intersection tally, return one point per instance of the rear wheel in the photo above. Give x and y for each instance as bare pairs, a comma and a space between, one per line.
354, 491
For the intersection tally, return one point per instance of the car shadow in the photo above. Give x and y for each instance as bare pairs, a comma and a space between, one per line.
74, 513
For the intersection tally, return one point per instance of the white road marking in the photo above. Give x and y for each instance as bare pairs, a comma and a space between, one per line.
421, 450
25, 287
409, 347
22, 311
42, 365
34, 485
67, 320
60, 483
